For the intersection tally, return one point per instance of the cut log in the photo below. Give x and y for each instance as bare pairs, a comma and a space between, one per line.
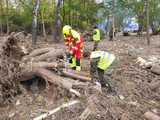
81, 73
40, 51
43, 54
29, 69
34, 65
156, 69
53, 78
26, 75
65, 105
151, 116
51, 55
73, 74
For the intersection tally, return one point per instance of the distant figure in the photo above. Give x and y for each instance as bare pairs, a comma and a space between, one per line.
74, 42
96, 37
111, 34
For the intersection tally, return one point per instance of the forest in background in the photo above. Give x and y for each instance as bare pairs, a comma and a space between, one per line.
17, 15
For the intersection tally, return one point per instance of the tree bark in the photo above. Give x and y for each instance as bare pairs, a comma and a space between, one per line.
34, 23
50, 55
43, 26
75, 75
57, 80
58, 23
1, 13
147, 15
7, 14
40, 51
113, 19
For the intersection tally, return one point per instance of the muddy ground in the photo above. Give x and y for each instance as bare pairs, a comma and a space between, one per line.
133, 85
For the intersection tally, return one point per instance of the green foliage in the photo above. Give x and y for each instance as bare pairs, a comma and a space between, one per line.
81, 14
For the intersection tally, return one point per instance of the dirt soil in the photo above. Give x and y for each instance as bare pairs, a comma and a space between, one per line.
133, 84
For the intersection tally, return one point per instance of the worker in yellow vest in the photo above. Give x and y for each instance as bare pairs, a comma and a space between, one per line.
100, 62
96, 37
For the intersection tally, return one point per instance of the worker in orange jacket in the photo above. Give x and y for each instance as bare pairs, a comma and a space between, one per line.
74, 42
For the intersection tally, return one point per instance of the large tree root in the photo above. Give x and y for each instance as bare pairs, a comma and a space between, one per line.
10, 53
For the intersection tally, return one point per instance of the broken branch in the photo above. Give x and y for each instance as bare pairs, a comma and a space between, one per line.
41, 117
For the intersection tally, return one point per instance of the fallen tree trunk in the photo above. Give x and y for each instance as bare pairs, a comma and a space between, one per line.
81, 73
151, 116
40, 51
34, 65
53, 78
50, 55
26, 75
29, 69
43, 54
30, 66
75, 75
156, 69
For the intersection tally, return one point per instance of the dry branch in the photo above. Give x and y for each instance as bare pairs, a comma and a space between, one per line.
65, 105
85, 114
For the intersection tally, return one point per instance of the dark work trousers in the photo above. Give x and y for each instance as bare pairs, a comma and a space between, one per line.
95, 45
97, 74
78, 63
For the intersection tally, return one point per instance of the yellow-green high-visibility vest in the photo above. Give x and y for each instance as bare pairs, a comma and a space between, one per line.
106, 59
96, 35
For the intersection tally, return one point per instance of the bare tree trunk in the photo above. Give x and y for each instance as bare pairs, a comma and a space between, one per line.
69, 19
147, 15
43, 25
58, 23
1, 13
34, 23
7, 21
64, 13
113, 20
1, 28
